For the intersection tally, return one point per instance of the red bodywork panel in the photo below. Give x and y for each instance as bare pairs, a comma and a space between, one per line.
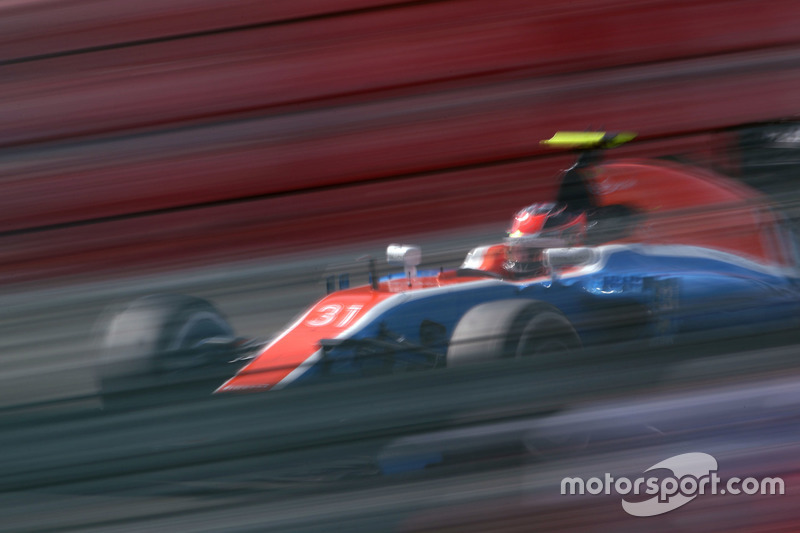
298, 345
686, 205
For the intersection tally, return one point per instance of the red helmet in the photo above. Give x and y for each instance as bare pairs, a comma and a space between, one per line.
540, 226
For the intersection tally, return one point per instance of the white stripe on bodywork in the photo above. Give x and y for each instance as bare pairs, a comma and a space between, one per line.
672, 250
475, 257
301, 369
699, 252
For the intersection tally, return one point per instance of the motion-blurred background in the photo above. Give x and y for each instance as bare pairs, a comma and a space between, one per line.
234, 150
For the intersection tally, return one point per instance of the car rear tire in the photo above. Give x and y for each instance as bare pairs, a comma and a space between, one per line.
154, 350
512, 328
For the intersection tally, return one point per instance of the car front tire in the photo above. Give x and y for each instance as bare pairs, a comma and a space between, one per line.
509, 329
155, 349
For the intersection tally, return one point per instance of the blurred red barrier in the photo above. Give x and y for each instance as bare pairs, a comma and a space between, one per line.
366, 214
247, 71
315, 95
299, 223
369, 141
31, 27
639, 30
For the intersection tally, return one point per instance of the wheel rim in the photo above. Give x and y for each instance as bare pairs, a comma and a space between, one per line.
544, 338
199, 327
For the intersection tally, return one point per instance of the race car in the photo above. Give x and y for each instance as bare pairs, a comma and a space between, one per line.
631, 252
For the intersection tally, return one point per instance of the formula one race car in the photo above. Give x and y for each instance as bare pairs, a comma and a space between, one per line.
630, 252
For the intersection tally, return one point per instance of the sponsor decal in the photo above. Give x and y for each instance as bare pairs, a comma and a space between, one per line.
603, 186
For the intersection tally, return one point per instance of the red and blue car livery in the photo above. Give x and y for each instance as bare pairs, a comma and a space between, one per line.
672, 251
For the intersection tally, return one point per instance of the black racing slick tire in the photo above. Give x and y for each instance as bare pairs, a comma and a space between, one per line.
156, 349
512, 328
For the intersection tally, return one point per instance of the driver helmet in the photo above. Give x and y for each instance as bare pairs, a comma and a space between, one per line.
537, 227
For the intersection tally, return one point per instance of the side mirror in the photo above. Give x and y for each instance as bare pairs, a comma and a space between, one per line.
556, 259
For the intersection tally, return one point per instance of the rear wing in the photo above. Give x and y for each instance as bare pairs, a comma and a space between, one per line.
588, 140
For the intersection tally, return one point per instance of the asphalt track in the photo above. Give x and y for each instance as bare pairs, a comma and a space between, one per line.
498, 438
